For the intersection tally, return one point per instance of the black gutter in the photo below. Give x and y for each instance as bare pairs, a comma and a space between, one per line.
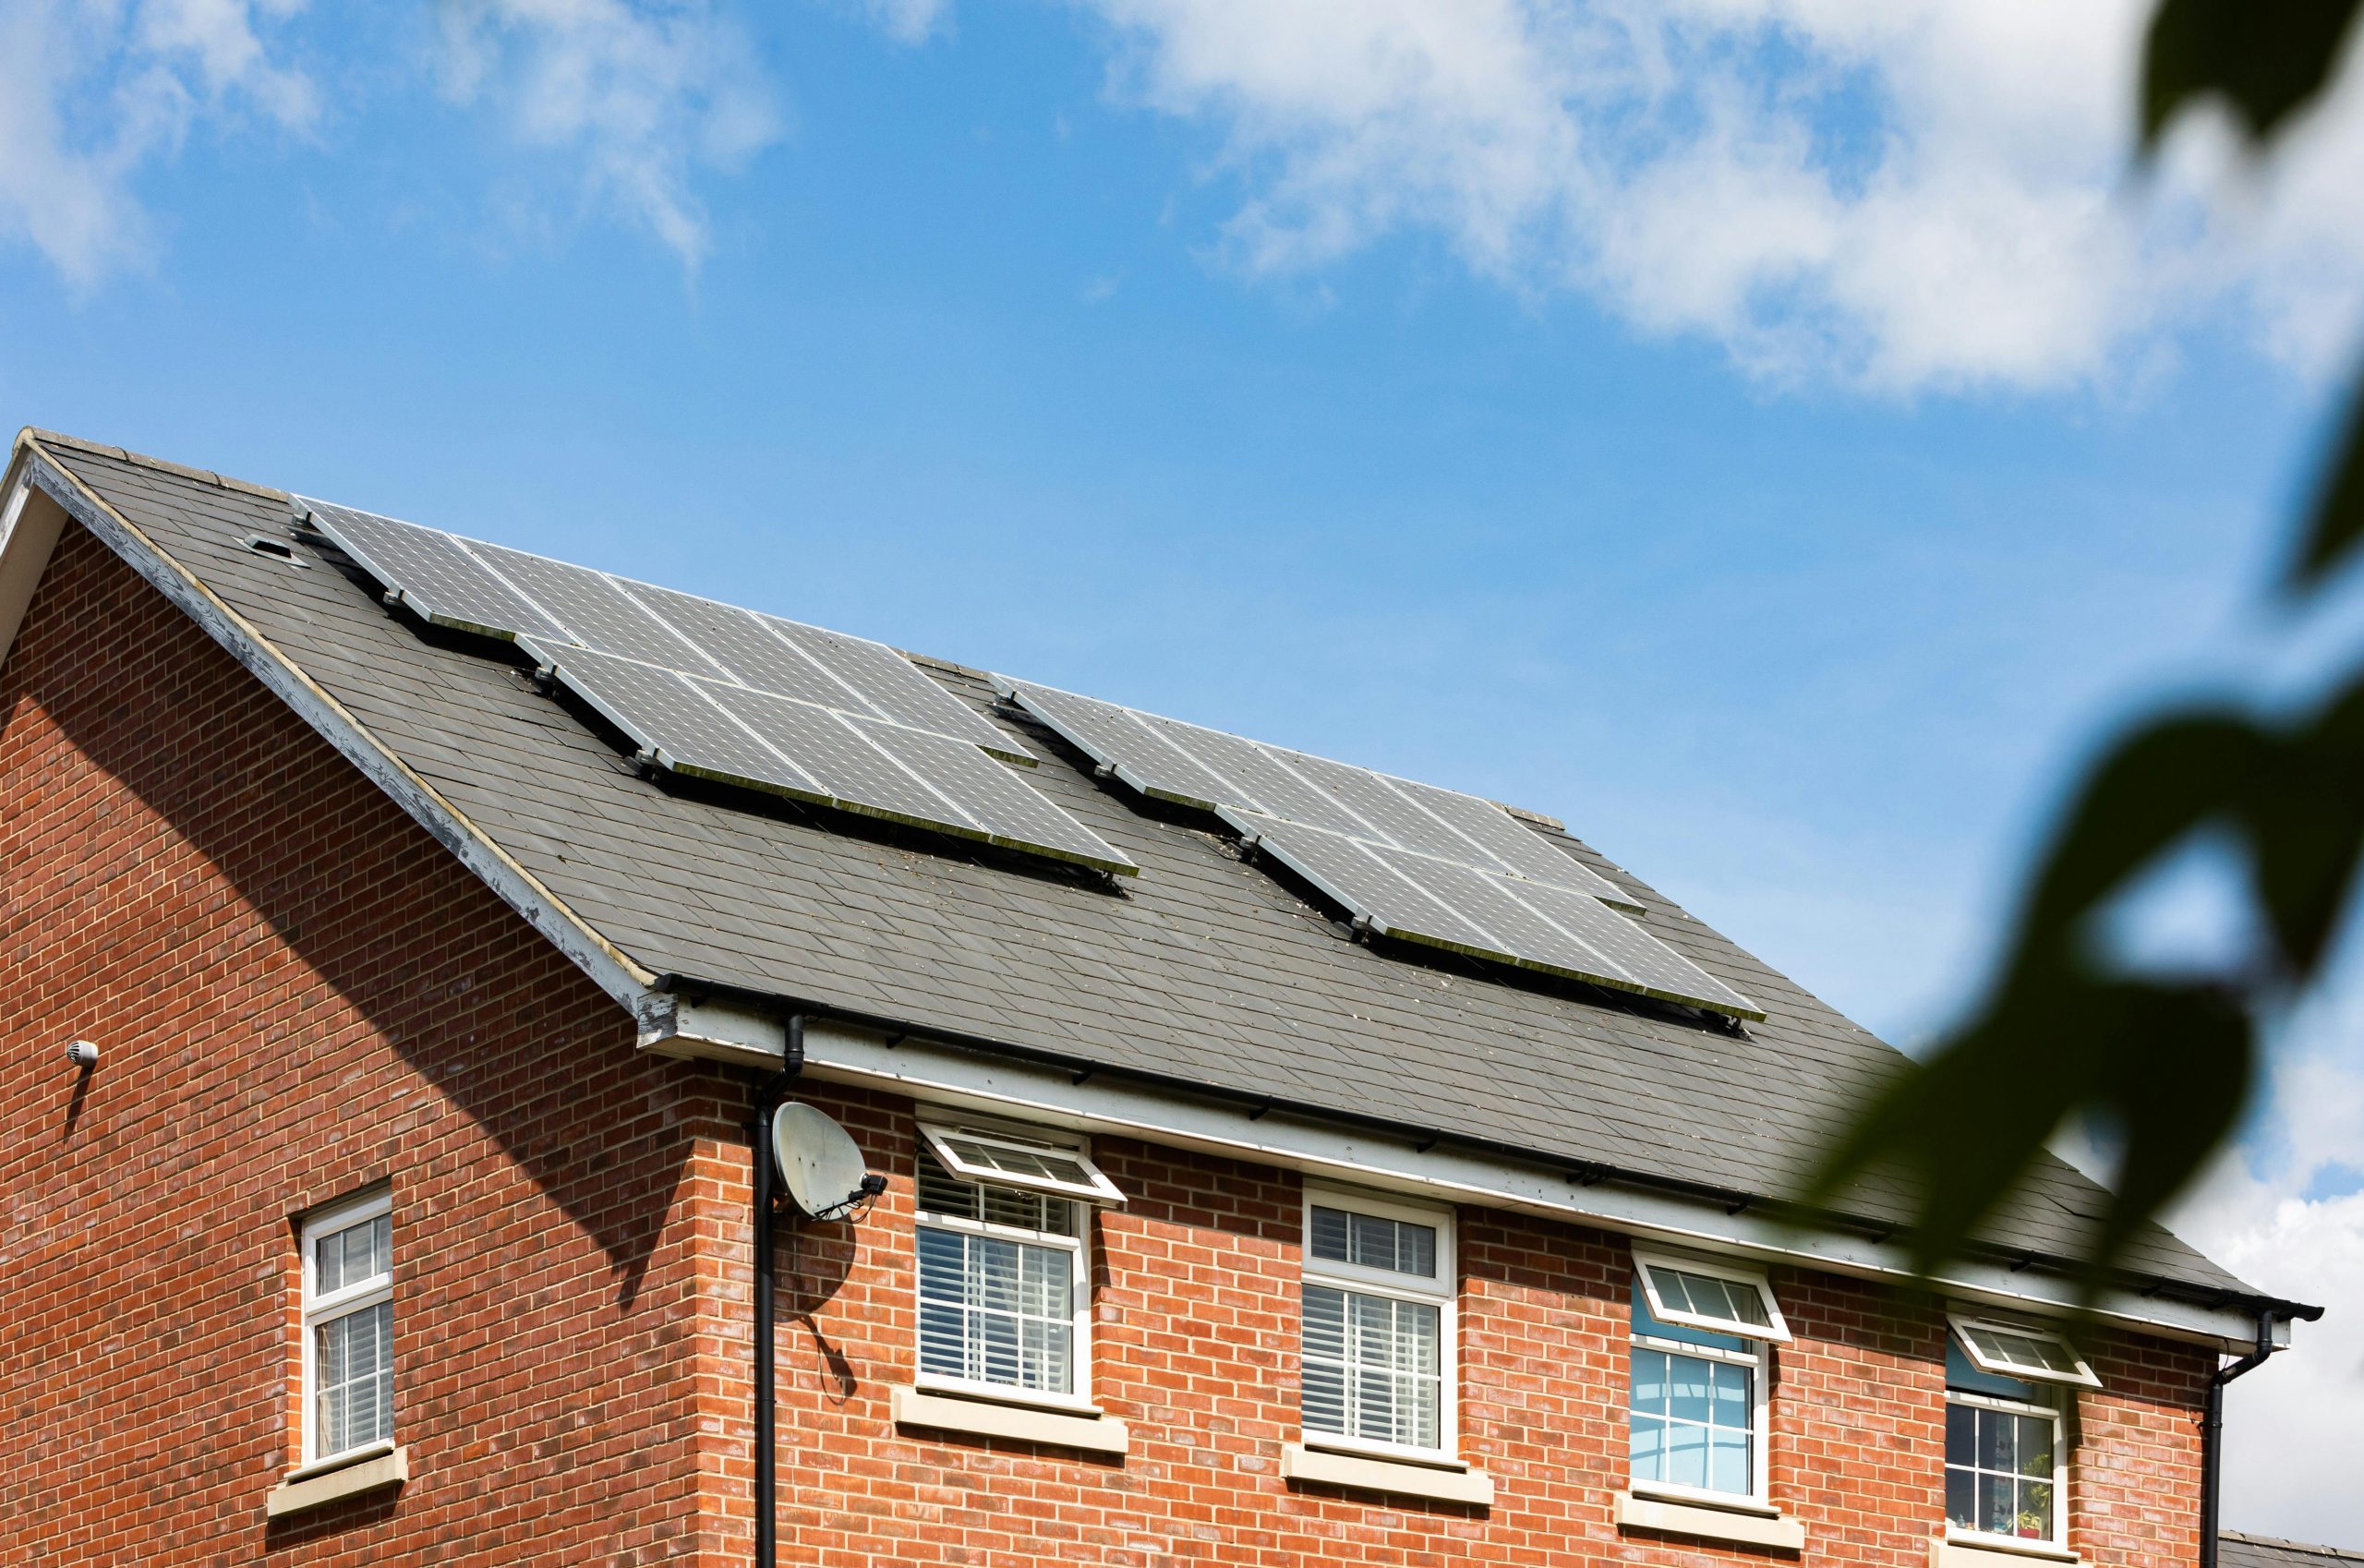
759, 1138
1591, 1172
2212, 1434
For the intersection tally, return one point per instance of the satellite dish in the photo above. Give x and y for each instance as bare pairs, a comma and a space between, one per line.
818, 1162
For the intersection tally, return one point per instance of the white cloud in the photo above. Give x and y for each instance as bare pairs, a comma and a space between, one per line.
97, 90
1898, 193
641, 94
909, 21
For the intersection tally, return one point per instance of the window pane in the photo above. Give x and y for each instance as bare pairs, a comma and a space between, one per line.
943, 1340
2035, 1510
1995, 1441
1733, 1398
1686, 1456
943, 1193
354, 1254
1648, 1322
1689, 1380
1728, 1461
1373, 1241
1372, 1367
1329, 1233
354, 1368
1961, 1435
1962, 1498
1995, 1510
2034, 1445
1649, 1448
995, 1310
1325, 1398
1650, 1380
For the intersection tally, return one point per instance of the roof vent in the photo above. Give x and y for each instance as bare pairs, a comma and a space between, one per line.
277, 550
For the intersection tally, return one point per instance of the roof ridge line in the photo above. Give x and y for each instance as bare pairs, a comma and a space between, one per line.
162, 465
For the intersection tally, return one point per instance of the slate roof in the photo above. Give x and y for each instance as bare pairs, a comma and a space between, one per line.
2236, 1550
1204, 970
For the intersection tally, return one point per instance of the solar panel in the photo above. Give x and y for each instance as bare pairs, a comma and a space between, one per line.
1194, 765
1120, 739
432, 573
508, 593
892, 687
670, 716
1427, 864
594, 611
712, 728
1486, 915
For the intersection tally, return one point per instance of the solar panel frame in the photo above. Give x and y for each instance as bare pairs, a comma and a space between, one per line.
1114, 737
747, 651
664, 713
596, 612
734, 734
891, 686
1488, 915
1011, 811
431, 572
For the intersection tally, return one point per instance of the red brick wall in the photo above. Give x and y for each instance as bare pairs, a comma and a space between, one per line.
1195, 1347
297, 992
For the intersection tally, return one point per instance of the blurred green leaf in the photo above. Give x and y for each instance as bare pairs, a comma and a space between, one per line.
2160, 784
2304, 818
2267, 57
2337, 521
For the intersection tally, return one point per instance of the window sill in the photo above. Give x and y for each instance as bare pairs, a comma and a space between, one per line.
1444, 1483
1020, 1423
1741, 1523
1004, 1393
317, 1486
1995, 1552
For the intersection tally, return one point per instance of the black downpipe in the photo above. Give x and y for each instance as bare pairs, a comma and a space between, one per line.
2211, 1435
759, 1134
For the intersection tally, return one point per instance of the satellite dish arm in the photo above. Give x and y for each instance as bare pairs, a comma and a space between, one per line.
768, 1098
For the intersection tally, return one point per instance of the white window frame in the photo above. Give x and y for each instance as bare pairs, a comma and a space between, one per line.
1760, 1390
318, 1311
1096, 1190
1961, 1324
1077, 1247
2053, 1413
1444, 1294
1777, 1329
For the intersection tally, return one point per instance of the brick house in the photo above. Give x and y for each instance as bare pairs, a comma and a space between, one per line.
1241, 1203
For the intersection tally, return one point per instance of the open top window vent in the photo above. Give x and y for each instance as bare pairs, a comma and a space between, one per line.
1001, 1159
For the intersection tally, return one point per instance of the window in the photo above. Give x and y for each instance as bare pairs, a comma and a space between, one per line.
2006, 1455
1009, 1161
348, 1329
1379, 1290
2013, 1350
1696, 1409
1004, 1299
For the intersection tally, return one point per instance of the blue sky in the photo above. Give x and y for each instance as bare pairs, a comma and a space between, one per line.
1723, 438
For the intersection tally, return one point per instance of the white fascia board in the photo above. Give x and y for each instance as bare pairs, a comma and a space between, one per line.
30, 526
610, 967
1107, 1103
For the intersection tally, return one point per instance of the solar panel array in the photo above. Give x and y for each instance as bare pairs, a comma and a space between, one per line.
712, 691
1412, 861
